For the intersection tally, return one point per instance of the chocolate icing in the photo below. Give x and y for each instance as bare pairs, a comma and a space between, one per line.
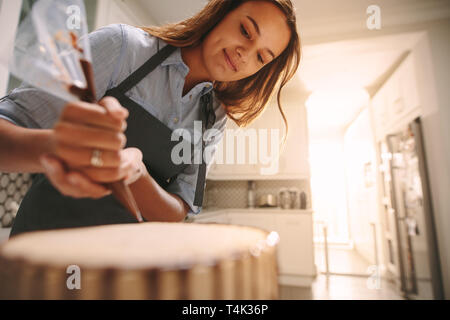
74, 39
85, 94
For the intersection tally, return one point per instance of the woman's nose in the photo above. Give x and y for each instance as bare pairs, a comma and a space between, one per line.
241, 52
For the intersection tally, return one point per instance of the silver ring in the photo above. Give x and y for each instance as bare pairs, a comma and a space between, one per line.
96, 159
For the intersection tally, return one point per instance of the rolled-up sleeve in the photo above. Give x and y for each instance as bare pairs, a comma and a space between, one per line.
30, 107
186, 182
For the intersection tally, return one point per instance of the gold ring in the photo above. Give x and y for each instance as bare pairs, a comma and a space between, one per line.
96, 159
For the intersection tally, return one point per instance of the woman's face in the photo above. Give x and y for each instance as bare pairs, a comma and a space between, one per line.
247, 39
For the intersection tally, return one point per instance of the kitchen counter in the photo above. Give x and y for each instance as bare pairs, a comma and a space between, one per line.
294, 227
212, 212
254, 210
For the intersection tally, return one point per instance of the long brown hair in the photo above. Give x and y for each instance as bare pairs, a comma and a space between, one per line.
244, 99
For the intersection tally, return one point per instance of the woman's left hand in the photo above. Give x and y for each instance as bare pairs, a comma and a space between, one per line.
131, 168
137, 167
89, 179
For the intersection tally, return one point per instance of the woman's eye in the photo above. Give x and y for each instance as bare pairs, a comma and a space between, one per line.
244, 32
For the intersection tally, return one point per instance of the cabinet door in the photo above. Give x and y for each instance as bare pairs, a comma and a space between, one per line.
289, 162
396, 105
379, 108
295, 154
408, 85
270, 134
232, 159
295, 250
398, 101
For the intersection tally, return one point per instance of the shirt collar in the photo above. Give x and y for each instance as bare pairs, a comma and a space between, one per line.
177, 60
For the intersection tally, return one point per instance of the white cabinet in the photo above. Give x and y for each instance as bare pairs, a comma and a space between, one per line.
397, 102
233, 158
295, 250
294, 159
379, 111
408, 86
256, 153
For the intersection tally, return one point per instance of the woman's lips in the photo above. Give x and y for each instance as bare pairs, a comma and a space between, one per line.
229, 62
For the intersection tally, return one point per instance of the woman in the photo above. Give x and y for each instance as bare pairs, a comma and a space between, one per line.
226, 61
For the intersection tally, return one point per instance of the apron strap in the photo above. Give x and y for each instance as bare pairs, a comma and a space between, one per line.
208, 120
145, 69
207, 112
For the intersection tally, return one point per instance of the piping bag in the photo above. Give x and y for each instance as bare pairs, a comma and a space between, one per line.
52, 53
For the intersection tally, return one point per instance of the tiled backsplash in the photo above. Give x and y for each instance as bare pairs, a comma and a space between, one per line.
13, 187
233, 194
227, 194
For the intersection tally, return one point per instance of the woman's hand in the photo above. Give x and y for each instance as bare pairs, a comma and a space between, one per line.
71, 183
82, 129
83, 184
130, 168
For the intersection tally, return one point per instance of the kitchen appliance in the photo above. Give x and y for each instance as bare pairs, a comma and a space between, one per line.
295, 200
251, 194
267, 201
285, 198
409, 227
303, 201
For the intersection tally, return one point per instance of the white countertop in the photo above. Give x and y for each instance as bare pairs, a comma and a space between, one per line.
211, 211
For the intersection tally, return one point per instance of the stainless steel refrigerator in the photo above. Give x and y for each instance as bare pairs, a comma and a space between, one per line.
409, 228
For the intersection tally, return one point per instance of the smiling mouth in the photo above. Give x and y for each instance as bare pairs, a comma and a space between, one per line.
229, 62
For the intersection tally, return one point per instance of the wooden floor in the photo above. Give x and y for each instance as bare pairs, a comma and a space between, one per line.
340, 288
352, 283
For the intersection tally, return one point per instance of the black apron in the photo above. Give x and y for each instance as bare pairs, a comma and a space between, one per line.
45, 208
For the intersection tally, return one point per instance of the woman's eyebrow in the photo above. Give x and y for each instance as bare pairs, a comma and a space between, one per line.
259, 33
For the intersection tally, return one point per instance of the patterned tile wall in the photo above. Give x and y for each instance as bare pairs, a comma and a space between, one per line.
13, 187
218, 194
233, 194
